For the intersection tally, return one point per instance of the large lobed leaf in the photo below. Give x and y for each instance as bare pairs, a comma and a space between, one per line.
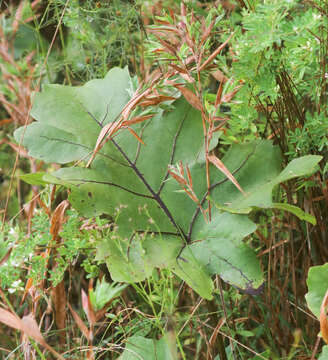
157, 225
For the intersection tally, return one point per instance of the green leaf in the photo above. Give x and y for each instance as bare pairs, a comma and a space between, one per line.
261, 179
229, 209
245, 333
34, 178
27, 39
324, 353
317, 283
138, 347
296, 211
68, 134
157, 225
104, 292
219, 248
267, 354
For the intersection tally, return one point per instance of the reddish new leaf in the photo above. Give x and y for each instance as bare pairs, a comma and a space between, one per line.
59, 299
106, 132
87, 307
84, 329
6, 257
218, 98
137, 120
230, 95
57, 218
28, 326
178, 178
192, 98
215, 53
323, 318
219, 164
219, 76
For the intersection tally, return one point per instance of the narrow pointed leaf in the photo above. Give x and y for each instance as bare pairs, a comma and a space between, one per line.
296, 211
323, 318
219, 164
28, 326
215, 53
34, 178
106, 132
79, 322
190, 97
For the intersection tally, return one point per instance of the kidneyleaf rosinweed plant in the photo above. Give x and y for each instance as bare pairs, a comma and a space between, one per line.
174, 174
128, 177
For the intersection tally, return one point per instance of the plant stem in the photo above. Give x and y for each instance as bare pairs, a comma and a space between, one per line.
219, 343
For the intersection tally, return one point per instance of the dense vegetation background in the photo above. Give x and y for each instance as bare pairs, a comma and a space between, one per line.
252, 77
